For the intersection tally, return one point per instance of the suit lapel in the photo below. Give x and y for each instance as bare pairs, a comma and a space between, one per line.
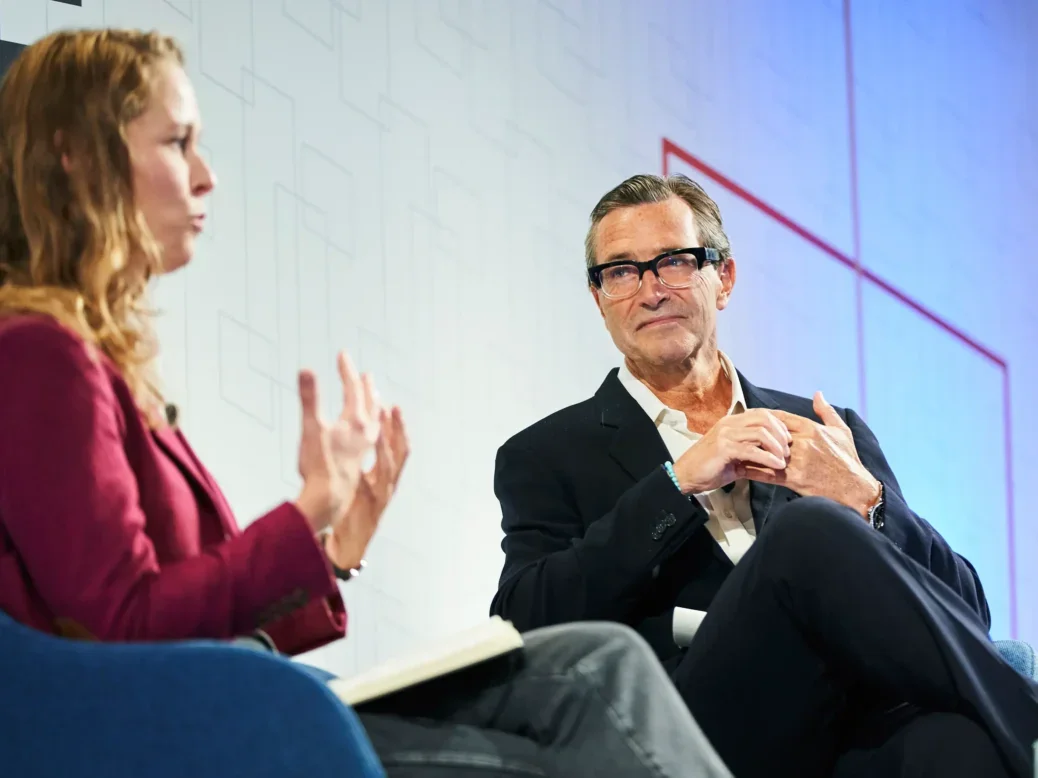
170, 443
637, 446
762, 496
174, 445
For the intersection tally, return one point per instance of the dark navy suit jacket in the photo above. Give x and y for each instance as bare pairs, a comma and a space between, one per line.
594, 528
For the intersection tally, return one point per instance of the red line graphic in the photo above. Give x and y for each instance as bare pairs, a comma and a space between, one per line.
672, 150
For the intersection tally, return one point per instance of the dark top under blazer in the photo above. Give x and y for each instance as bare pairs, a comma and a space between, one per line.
595, 529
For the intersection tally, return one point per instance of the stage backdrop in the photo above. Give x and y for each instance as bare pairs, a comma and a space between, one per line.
410, 180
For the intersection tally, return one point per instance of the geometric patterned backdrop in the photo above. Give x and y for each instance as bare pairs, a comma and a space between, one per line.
411, 181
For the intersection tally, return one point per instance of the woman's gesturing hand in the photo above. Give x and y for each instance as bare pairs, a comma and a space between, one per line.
350, 536
331, 454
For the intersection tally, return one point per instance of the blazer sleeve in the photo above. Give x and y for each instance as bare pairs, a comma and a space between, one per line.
555, 571
913, 534
69, 502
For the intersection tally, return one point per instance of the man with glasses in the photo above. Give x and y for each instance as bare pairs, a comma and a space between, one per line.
758, 540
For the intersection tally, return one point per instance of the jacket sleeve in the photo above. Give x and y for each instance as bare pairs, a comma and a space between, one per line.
913, 534
70, 505
556, 572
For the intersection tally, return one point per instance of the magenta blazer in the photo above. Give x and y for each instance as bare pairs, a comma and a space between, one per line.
114, 531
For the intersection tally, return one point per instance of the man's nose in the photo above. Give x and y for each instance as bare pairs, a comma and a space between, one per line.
652, 289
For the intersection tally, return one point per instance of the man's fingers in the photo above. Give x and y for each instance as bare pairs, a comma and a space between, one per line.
770, 443
762, 436
779, 429
753, 455
793, 422
765, 475
798, 424
762, 417
827, 413
767, 420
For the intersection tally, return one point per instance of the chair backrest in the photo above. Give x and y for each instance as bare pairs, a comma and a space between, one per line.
166, 710
1020, 655
13, 634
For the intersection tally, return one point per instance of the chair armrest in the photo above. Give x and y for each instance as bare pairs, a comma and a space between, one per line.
1020, 655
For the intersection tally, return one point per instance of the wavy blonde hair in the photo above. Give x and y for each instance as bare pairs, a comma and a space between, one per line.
73, 245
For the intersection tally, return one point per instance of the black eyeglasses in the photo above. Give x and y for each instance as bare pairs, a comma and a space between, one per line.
675, 269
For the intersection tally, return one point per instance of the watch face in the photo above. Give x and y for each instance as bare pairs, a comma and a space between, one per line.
876, 515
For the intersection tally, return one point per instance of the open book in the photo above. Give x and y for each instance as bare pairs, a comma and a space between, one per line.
487, 641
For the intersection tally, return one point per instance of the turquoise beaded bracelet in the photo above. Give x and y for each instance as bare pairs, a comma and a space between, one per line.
669, 467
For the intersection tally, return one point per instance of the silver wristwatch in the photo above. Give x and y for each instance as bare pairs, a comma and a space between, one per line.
343, 574
876, 513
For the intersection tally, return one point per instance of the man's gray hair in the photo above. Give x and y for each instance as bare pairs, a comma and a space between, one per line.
644, 189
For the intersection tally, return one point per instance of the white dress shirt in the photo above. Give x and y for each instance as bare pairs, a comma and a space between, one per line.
729, 516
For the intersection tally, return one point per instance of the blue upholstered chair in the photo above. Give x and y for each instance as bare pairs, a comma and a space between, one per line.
70, 708
1020, 655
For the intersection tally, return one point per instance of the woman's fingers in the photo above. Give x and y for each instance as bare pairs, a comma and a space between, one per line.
308, 397
372, 401
361, 404
385, 459
399, 441
391, 450
351, 387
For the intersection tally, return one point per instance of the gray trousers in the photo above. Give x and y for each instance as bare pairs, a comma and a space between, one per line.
586, 699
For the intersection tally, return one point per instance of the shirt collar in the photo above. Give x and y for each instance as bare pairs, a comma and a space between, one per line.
654, 407
738, 398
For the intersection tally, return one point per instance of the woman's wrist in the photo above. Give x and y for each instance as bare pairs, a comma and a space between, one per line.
313, 503
346, 562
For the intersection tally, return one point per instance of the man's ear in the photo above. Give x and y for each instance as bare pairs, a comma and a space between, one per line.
726, 272
598, 300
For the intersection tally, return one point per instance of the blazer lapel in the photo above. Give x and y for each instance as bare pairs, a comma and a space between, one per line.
637, 446
762, 496
174, 445
171, 445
